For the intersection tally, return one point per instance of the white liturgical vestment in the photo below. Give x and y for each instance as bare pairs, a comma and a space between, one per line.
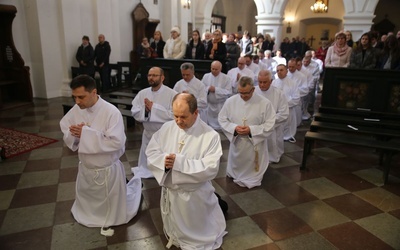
191, 215
233, 74
160, 113
280, 104
292, 94
103, 198
248, 154
197, 88
223, 90
301, 82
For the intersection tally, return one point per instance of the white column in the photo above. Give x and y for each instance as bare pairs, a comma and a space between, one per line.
271, 24
357, 24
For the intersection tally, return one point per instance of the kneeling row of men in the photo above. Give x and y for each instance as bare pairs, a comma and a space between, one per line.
257, 118
183, 155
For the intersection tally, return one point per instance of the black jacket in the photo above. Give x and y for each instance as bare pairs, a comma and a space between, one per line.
199, 50
102, 53
87, 56
159, 48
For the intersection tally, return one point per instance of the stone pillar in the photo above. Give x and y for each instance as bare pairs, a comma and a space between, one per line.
271, 24
358, 24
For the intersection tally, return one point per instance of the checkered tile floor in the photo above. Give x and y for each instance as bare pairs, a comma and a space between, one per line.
339, 202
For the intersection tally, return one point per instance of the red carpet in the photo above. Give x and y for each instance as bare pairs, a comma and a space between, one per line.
16, 142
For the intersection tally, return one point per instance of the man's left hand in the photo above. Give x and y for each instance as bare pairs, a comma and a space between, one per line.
169, 161
148, 104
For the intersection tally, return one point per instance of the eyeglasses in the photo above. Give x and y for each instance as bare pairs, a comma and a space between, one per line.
246, 93
152, 75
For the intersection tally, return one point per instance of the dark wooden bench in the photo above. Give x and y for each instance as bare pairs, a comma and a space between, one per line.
357, 108
130, 121
317, 126
389, 148
120, 101
117, 94
136, 89
380, 122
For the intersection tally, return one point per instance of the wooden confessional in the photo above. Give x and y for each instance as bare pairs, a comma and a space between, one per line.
142, 27
15, 84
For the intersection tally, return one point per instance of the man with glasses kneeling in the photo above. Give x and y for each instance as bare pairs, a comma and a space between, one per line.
152, 107
247, 119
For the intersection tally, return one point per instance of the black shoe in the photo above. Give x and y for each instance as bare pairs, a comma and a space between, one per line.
222, 204
3, 153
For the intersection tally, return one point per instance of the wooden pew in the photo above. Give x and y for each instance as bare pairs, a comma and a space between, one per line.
171, 69
358, 108
117, 94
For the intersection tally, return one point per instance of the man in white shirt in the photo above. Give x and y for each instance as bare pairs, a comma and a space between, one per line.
319, 62
312, 67
219, 88
184, 156
301, 82
152, 107
307, 72
235, 73
280, 104
95, 129
253, 67
257, 60
247, 119
270, 62
190, 84
291, 91
279, 58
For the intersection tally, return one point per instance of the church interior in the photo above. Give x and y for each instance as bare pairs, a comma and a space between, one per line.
340, 201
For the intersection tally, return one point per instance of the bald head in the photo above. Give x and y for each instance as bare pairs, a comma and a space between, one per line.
101, 38
184, 107
241, 63
216, 67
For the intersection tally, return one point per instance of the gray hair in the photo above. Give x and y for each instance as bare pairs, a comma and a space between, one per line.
187, 65
245, 81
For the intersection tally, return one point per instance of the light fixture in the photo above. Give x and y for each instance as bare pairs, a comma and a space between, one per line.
319, 6
186, 4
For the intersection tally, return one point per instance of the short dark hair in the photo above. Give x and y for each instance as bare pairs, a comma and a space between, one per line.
190, 100
83, 80
85, 38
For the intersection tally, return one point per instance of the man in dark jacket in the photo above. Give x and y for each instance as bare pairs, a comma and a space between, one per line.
102, 53
85, 57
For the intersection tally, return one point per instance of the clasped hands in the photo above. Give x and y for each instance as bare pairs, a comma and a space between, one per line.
148, 104
242, 130
76, 130
169, 161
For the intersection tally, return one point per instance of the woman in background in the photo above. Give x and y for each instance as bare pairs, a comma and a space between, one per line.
218, 50
195, 47
232, 52
175, 47
390, 57
338, 54
363, 56
158, 45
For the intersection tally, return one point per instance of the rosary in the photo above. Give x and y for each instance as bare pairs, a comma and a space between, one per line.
257, 166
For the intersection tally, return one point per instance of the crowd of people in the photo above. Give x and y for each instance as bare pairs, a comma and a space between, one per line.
255, 94
368, 52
